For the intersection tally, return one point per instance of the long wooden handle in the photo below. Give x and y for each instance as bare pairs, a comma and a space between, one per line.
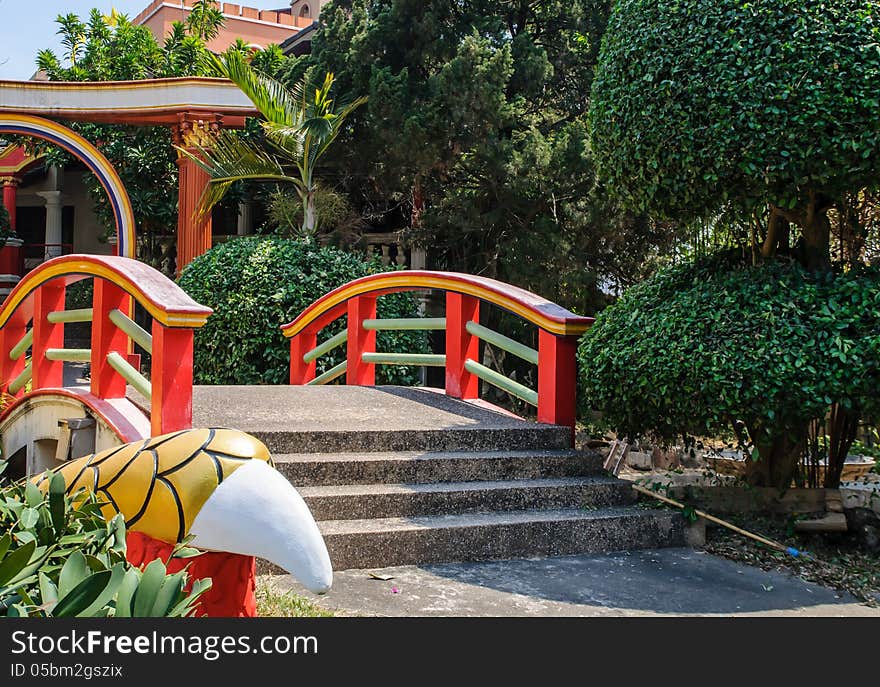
719, 521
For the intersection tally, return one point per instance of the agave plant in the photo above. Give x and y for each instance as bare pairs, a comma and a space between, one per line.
60, 558
299, 125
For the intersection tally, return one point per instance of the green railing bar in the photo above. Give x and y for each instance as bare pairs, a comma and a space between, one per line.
132, 376
59, 316
23, 378
69, 355
25, 343
502, 382
328, 345
406, 324
132, 329
329, 375
504, 343
426, 359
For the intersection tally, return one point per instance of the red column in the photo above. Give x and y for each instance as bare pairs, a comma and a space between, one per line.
10, 193
557, 379
10, 334
193, 232
47, 373
301, 371
460, 345
172, 379
360, 341
108, 338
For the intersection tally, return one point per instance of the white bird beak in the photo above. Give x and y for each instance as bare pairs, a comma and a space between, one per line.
257, 512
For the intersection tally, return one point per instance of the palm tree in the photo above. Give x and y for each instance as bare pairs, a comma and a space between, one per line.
300, 125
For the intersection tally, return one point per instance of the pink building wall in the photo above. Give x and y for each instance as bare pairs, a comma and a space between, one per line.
260, 27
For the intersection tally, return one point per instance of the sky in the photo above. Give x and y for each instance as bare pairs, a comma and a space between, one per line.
28, 26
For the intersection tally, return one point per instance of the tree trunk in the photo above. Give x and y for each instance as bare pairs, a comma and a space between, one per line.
777, 459
842, 433
777, 234
310, 217
816, 232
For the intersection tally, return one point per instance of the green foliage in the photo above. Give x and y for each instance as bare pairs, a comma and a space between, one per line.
338, 219
699, 102
256, 284
474, 138
300, 126
60, 558
5, 224
107, 48
702, 346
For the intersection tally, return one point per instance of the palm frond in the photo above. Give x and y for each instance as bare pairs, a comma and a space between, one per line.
273, 99
233, 159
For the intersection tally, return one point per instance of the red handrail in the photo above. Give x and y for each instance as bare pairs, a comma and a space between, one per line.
558, 328
117, 280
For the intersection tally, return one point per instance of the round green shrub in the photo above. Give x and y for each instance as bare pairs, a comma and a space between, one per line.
701, 346
697, 102
255, 284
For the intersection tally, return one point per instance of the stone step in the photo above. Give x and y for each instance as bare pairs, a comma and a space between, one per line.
412, 467
351, 502
342, 418
370, 543
529, 437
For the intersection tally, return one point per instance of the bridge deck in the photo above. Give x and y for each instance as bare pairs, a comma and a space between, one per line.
294, 419
340, 408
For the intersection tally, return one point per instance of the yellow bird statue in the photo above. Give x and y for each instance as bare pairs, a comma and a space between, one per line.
219, 486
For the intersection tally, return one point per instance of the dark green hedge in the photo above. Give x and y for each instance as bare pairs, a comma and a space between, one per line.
700, 346
255, 284
696, 102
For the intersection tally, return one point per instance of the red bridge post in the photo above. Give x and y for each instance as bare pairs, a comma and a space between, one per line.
172, 379
10, 335
108, 338
360, 341
302, 372
47, 373
461, 345
557, 379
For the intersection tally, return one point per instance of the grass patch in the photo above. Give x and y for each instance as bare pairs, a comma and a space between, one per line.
273, 602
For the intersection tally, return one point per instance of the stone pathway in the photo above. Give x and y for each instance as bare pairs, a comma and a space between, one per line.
660, 582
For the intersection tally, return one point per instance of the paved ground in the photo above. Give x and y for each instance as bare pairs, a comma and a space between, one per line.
654, 582
344, 408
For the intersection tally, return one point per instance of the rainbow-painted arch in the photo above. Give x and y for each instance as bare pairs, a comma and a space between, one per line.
72, 142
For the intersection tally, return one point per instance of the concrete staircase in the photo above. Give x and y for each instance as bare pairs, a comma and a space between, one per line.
478, 485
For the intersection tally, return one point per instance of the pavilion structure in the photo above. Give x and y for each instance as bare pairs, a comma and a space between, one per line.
195, 108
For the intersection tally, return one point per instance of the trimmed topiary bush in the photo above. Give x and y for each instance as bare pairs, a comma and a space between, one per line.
255, 284
697, 103
700, 347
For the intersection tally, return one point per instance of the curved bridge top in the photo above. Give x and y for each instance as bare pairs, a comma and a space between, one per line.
151, 101
531, 307
161, 297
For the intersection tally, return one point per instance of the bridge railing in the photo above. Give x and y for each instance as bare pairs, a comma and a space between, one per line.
558, 331
33, 317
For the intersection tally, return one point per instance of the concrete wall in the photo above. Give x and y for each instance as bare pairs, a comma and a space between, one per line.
252, 25
307, 9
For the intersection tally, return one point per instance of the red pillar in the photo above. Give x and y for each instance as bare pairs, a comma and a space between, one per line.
193, 232
10, 194
557, 379
47, 373
172, 379
360, 341
460, 345
108, 338
301, 371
